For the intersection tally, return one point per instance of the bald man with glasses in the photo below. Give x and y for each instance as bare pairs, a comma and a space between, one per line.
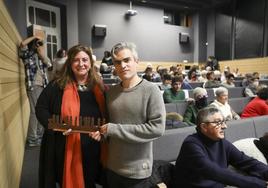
204, 158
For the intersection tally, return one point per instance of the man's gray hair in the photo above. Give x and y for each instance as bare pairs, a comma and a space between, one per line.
204, 114
221, 90
125, 45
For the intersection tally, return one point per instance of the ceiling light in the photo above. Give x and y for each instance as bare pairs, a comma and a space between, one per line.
130, 11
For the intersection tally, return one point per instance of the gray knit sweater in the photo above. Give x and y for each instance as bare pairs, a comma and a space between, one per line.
137, 117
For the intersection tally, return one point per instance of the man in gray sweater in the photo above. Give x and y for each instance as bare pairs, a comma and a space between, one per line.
136, 118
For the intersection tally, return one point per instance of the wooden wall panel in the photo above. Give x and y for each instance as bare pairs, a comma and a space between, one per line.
14, 106
247, 65
165, 64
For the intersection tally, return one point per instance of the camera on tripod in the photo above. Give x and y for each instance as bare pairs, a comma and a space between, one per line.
38, 43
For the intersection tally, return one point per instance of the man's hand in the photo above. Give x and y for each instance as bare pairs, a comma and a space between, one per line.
161, 185
103, 129
98, 134
95, 135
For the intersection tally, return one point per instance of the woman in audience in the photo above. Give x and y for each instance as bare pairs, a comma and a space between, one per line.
251, 89
258, 106
166, 82
200, 101
221, 102
229, 82
211, 82
175, 93
203, 76
192, 76
58, 63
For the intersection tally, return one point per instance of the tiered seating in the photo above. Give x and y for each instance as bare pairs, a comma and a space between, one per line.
168, 146
110, 81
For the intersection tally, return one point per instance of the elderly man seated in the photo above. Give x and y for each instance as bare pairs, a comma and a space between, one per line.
204, 158
221, 102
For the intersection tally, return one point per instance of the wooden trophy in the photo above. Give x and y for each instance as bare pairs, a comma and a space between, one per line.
68, 124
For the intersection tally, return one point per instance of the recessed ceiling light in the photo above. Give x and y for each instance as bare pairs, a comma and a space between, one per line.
143, 1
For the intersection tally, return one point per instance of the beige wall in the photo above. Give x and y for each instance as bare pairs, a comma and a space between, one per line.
247, 65
14, 106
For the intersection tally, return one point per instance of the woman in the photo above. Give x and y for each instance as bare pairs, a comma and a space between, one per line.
221, 103
200, 101
257, 106
251, 89
211, 81
72, 160
58, 62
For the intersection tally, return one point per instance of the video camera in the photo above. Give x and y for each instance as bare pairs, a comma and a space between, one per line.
38, 43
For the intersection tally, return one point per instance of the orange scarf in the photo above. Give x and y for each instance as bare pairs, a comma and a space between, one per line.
73, 168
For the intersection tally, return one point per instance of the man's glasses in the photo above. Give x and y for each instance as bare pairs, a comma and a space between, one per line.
217, 124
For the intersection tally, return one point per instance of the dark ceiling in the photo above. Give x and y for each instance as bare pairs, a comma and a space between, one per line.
190, 5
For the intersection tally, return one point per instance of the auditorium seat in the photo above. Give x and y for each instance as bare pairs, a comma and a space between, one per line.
110, 80
261, 125
264, 81
168, 146
238, 104
171, 107
238, 83
106, 76
238, 129
196, 84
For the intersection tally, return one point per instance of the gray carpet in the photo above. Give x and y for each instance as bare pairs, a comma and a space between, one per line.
29, 174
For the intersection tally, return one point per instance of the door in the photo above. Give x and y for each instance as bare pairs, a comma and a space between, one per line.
46, 17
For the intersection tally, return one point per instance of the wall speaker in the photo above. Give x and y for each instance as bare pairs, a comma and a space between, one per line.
184, 38
99, 30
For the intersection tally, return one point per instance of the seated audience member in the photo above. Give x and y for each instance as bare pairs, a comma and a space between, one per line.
262, 145
249, 147
107, 58
211, 82
217, 75
212, 64
162, 72
184, 84
203, 76
221, 102
245, 81
150, 75
200, 101
175, 93
251, 88
258, 106
226, 71
166, 82
105, 69
192, 76
172, 69
229, 82
205, 156
57, 63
